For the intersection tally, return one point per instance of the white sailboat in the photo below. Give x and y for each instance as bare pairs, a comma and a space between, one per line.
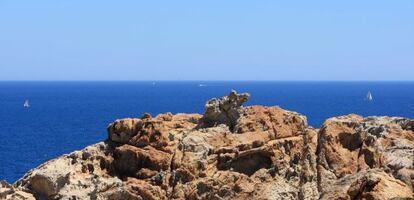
26, 104
369, 97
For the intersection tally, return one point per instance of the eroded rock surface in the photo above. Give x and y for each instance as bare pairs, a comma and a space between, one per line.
226, 110
233, 152
350, 146
9, 192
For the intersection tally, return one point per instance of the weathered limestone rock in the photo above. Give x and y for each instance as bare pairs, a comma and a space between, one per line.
233, 152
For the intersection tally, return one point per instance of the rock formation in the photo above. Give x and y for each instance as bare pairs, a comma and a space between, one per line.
226, 110
233, 152
351, 147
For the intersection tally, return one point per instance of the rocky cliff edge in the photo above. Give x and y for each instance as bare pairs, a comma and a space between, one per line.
233, 152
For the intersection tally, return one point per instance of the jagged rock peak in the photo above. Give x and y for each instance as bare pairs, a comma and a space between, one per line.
226, 110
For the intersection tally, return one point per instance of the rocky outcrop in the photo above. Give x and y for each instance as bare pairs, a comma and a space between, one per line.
82, 174
233, 152
350, 146
226, 110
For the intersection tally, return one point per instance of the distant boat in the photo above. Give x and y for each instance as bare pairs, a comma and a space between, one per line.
369, 97
26, 104
201, 85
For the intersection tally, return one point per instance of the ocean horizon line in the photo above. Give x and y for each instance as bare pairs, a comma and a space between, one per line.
228, 81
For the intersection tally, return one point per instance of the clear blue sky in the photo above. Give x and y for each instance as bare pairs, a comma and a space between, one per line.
206, 40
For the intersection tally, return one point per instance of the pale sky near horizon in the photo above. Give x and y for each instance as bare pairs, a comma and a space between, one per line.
206, 40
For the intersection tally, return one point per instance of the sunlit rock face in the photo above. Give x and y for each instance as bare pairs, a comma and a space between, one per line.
351, 147
233, 152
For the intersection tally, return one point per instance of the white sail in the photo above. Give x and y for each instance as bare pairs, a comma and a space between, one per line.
369, 96
26, 104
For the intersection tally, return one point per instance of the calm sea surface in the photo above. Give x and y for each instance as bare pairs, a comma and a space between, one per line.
67, 116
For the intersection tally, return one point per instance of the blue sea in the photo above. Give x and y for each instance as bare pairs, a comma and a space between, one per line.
67, 116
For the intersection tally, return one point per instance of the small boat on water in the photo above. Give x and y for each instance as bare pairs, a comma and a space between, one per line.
369, 97
26, 104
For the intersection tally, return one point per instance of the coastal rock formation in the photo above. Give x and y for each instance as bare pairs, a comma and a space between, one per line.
350, 146
233, 152
226, 110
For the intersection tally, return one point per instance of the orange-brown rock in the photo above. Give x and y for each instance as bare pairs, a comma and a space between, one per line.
351, 144
278, 122
129, 160
233, 152
368, 184
156, 132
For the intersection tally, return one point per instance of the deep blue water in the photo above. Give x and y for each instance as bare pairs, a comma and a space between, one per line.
67, 116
